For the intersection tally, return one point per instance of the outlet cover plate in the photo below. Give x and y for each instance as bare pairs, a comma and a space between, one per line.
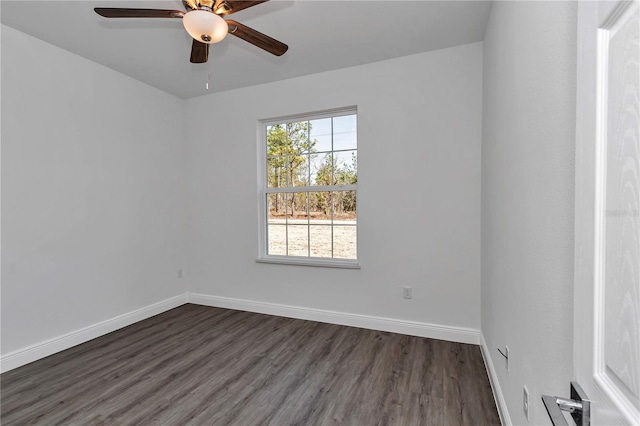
406, 292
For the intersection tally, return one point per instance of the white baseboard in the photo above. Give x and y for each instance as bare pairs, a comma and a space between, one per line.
413, 328
505, 419
49, 347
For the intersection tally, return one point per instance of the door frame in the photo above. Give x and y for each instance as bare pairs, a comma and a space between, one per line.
590, 169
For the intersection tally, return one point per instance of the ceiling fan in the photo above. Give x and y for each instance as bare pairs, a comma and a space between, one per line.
203, 21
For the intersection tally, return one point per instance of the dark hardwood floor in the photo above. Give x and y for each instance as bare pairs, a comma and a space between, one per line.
211, 366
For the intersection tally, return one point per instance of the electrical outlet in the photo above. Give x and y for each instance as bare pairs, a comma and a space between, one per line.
406, 292
179, 273
525, 402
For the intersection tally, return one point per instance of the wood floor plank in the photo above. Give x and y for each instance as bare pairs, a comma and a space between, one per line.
199, 365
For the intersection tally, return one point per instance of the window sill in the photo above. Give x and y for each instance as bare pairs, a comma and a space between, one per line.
302, 261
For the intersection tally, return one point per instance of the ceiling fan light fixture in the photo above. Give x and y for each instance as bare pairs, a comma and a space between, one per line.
205, 26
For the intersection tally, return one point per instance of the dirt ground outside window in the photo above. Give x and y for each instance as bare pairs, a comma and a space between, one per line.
313, 238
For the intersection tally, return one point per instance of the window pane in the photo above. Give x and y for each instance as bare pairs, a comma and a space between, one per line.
276, 140
276, 205
299, 167
298, 239
302, 207
345, 168
321, 143
320, 131
343, 141
320, 126
276, 172
297, 137
321, 169
320, 206
344, 242
345, 123
295, 151
345, 133
297, 206
277, 239
298, 229
344, 207
320, 238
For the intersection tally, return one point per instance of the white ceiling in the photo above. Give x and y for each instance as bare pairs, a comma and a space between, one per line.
322, 35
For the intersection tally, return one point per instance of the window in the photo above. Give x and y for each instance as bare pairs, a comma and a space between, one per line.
309, 181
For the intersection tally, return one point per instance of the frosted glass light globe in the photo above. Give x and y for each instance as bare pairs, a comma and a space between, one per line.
205, 26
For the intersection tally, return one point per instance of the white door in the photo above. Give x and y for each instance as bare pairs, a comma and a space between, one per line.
607, 211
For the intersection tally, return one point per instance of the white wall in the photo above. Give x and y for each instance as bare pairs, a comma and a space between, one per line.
92, 204
527, 198
419, 130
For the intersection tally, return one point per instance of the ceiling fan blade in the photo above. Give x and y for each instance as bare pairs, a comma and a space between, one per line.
227, 7
116, 12
199, 52
256, 38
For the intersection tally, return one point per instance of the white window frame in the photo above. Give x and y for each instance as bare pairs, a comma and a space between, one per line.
263, 190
